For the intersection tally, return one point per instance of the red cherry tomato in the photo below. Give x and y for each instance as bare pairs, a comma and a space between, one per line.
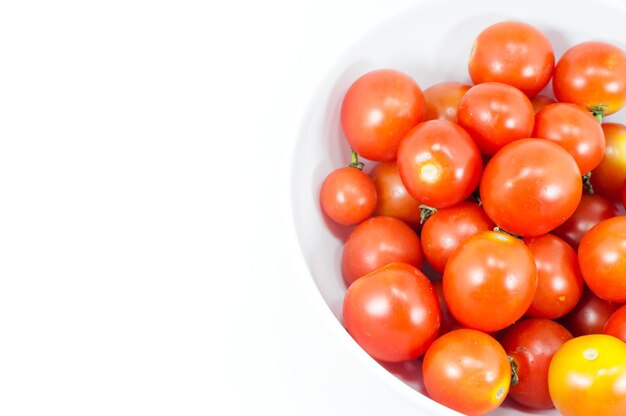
541, 101
513, 53
616, 325
602, 258
442, 100
591, 210
609, 176
489, 272
495, 114
560, 284
377, 242
439, 163
392, 313
531, 344
589, 316
378, 110
348, 196
575, 129
393, 198
446, 229
591, 74
468, 371
530, 187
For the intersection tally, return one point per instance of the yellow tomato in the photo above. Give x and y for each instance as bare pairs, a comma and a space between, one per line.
587, 377
608, 177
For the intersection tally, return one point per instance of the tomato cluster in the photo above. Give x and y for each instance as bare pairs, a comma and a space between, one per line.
488, 244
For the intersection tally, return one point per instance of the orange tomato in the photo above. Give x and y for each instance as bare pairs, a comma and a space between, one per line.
608, 177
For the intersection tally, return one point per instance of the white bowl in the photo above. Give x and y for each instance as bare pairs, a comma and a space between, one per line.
431, 42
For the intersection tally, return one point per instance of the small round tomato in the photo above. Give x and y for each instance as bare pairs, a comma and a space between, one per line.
495, 114
530, 344
393, 198
602, 258
559, 282
377, 242
489, 272
609, 176
514, 53
591, 74
439, 163
348, 196
442, 100
616, 325
468, 371
377, 111
447, 228
530, 187
589, 316
392, 313
575, 129
587, 377
590, 211
541, 101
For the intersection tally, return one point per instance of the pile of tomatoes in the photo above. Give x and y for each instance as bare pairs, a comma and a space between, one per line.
488, 241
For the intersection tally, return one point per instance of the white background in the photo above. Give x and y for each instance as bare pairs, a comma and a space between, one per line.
143, 163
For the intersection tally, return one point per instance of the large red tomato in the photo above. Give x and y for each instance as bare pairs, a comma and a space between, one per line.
392, 313
514, 53
442, 100
393, 198
530, 187
609, 176
377, 111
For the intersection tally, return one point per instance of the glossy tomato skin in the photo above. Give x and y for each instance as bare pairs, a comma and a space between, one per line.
541, 101
575, 129
446, 229
589, 316
602, 258
591, 73
439, 163
609, 176
530, 187
393, 198
513, 53
442, 100
495, 114
616, 325
377, 242
586, 377
468, 371
348, 196
531, 344
377, 111
392, 313
490, 271
559, 281
591, 210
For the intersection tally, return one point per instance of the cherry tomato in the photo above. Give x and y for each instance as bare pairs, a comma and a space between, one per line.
448, 323
446, 229
442, 100
392, 313
602, 258
513, 53
393, 198
531, 344
495, 114
377, 242
587, 377
348, 196
616, 325
575, 129
541, 101
530, 187
489, 272
377, 111
468, 371
559, 282
591, 210
591, 74
608, 177
589, 316
439, 163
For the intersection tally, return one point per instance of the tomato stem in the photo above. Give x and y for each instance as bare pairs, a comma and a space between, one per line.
426, 212
587, 183
598, 111
514, 367
502, 230
355, 161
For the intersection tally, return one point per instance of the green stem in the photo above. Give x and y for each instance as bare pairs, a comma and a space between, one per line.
514, 367
598, 111
355, 161
587, 183
502, 230
426, 212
